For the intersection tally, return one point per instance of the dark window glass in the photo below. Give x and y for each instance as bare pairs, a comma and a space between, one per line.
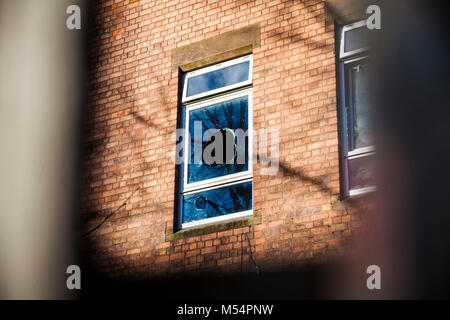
218, 79
356, 39
361, 106
217, 202
361, 172
227, 117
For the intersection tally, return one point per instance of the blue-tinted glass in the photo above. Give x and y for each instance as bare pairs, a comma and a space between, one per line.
217, 202
362, 131
231, 114
361, 172
218, 79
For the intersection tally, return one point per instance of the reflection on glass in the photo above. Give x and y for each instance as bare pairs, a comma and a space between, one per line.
217, 202
218, 79
231, 114
362, 132
361, 172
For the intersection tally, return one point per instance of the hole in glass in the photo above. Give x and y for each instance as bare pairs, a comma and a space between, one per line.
228, 150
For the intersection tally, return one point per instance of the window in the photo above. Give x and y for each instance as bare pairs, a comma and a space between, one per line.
356, 138
216, 176
353, 39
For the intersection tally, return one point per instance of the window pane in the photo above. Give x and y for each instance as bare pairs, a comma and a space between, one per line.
218, 78
362, 131
231, 114
356, 39
361, 172
217, 202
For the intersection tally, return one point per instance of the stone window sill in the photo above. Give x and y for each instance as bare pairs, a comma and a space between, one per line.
214, 227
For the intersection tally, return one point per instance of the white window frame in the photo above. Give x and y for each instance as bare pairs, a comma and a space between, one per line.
215, 67
359, 152
359, 191
213, 97
343, 54
225, 217
362, 58
231, 177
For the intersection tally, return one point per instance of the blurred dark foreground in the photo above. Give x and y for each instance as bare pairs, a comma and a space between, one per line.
408, 233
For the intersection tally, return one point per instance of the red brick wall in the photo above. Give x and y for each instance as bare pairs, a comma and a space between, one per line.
132, 114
